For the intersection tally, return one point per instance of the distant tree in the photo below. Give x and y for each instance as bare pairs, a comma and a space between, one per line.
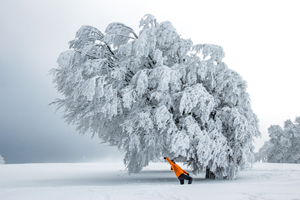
2, 160
284, 144
156, 94
264, 151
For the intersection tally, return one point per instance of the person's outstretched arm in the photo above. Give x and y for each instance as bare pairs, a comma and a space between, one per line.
171, 163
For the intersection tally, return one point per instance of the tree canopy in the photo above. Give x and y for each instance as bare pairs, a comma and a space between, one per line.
284, 144
155, 94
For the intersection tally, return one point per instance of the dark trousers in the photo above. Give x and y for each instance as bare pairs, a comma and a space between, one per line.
186, 177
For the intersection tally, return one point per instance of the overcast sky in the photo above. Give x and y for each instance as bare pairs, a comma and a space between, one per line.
260, 40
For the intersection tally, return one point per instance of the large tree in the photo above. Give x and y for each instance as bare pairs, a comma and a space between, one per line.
284, 144
156, 94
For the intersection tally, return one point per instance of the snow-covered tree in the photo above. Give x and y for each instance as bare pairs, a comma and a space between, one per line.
2, 160
156, 94
284, 144
264, 151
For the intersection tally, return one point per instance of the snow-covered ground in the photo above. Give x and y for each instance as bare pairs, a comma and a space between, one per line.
110, 181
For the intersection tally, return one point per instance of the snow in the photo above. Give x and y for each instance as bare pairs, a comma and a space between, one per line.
111, 181
151, 86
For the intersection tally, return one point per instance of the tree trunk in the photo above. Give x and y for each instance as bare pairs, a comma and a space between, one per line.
209, 174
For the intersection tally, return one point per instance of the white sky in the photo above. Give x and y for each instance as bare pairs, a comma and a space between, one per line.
260, 40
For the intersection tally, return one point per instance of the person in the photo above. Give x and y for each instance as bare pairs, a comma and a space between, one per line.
180, 173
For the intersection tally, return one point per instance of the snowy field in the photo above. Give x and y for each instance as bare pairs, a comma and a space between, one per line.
110, 181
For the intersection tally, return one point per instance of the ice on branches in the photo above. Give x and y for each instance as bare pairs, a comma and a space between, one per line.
284, 144
155, 94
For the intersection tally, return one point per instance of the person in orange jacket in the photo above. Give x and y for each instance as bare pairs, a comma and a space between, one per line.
180, 173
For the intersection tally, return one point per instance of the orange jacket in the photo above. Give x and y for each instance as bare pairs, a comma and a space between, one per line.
178, 171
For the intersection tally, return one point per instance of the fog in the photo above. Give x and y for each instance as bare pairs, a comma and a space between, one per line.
260, 41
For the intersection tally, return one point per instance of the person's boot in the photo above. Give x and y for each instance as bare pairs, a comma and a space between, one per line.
181, 181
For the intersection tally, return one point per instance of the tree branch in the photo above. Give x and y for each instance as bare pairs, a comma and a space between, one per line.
123, 36
135, 35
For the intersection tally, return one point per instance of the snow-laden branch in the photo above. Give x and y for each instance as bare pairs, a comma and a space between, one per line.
156, 94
